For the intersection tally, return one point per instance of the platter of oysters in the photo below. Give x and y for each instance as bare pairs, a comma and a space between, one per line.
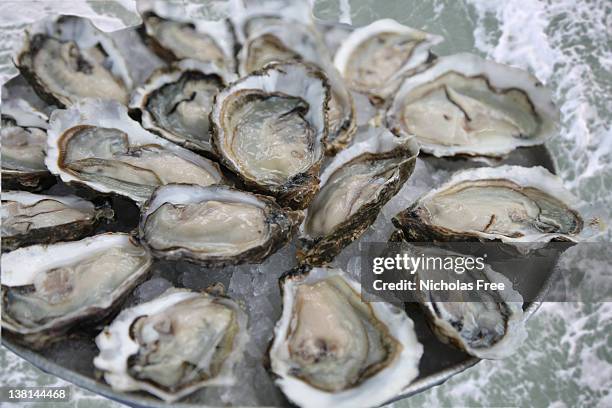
184, 204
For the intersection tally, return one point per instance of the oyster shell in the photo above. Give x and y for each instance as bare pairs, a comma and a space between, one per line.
66, 59
24, 140
507, 203
95, 143
269, 129
466, 105
43, 219
173, 345
373, 59
175, 102
269, 33
214, 225
174, 36
485, 323
48, 289
330, 349
354, 187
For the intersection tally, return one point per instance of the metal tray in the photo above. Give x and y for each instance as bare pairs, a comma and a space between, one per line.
72, 359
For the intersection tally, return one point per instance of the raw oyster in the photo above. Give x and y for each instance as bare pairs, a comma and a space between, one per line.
354, 187
269, 129
373, 59
48, 289
485, 323
175, 102
214, 225
24, 140
67, 58
466, 105
507, 203
330, 349
173, 345
269, 33
173, 36
42, 219
97, 144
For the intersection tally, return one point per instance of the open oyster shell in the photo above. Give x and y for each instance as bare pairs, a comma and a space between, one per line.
173, 345
269, 33
66, 59
43, 219
24, 141
96, 143
48, 289
330, 349
175, 102
173, 35
485, 323
373, 59
214, 225
269, 129
466, 105
507, 203
354, 187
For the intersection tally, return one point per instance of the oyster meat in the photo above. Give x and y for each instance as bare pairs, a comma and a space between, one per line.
373, 59
66, 59
97, 144
42, 219
331, 349
24, 140
466, 105
507, 203
173, 345
172, 36
357, 183
175, 102
269, 129
48, 289
485, 323
269, 33
214, 225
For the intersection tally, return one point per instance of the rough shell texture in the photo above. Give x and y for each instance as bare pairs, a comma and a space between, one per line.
416, 227
499, 78
381, 144
117, 346
21, 266
372, 391
48, 235
282, 223
296, 80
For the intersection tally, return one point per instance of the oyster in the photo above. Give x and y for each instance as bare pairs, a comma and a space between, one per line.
269, 33
42, 219
66, 59
507, 203
269, 129
334, 33
373, 59
48, 289
214, 225
330, 349
24, 139
173, 345
95, 143
466, 105
354, 187
172, 36
485, 323
175, 102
